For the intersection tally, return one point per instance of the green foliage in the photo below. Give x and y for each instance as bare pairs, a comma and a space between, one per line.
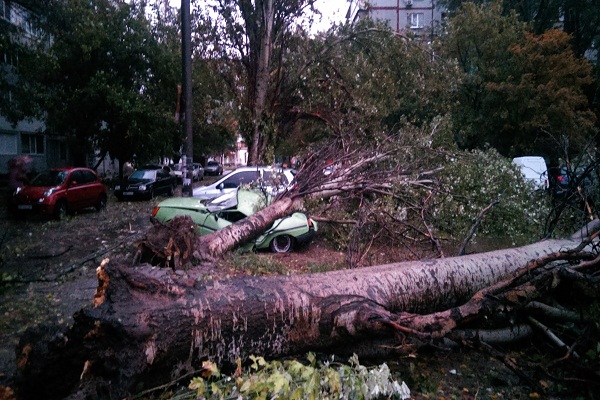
251, 42
470, 181
106, 80
215, 125
338, 87
520, 91
292, 379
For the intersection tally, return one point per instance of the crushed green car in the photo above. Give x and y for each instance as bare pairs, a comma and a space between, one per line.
212, 215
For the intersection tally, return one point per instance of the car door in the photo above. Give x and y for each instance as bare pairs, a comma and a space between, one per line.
91, 188
164, 182
76, 190
229, 183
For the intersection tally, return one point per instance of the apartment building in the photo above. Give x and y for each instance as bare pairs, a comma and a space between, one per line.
420, 17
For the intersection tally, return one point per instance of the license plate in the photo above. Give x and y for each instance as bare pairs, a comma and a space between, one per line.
127, 193
25, 207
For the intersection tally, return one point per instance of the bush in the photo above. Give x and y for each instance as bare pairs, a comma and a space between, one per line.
470, 181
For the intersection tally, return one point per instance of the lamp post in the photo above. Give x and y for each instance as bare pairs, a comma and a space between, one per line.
186, 62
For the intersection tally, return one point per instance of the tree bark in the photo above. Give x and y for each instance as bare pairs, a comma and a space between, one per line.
152, 325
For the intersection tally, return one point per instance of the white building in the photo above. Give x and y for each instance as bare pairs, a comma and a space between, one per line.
27, 137
421, 17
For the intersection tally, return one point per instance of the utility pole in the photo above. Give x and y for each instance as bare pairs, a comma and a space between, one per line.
188, 140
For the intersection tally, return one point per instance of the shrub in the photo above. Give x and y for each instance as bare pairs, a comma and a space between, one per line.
470, 181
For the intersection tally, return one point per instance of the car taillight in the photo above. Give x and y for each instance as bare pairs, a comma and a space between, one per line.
310, 222
560, 178
155, 211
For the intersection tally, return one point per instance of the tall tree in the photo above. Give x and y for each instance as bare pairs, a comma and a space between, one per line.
251, 38
512, 80
18, 40
99, 79
359, 78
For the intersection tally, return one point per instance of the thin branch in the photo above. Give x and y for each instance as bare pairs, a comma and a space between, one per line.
476, 223
552, 336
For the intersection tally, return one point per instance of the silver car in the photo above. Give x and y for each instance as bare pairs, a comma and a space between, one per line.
271, 180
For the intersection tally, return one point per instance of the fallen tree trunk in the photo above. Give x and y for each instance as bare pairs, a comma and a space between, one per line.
151, 325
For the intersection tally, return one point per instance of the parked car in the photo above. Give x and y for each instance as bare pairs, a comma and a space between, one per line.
212, 215
146, 184
165, 168
569, 181
198, 172
213, 168
57, 191
271, 180
534, 170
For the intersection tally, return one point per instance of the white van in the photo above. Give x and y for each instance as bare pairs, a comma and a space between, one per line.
534, 169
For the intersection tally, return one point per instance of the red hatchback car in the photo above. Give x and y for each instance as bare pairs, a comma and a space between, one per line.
60, 190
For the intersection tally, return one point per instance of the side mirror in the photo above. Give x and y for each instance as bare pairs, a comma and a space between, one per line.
221, 186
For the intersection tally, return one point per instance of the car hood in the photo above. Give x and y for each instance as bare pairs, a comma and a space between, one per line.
246, 201
138, 181
188, 203
35, 191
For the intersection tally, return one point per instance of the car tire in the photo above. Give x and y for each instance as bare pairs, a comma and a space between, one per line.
60, 210
171, 191
282, 244
151, 195
101, 203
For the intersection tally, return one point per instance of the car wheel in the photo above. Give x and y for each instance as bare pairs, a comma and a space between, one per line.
60, 210
101, 204
281, 244
171, 191
151, 195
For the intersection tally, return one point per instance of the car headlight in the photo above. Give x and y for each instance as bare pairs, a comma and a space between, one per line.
117, 187
17, 190
143, 187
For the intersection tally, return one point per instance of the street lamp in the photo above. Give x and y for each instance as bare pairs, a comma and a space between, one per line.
186, 62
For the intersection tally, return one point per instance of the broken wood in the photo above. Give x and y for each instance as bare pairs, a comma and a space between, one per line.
152, 325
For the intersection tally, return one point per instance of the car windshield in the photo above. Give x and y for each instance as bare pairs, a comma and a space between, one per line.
213, 163
49, 178
143, 175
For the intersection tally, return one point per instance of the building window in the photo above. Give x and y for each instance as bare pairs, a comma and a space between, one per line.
8, 144
415, 20
32, 144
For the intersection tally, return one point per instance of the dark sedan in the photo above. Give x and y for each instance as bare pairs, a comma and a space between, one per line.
146, 184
